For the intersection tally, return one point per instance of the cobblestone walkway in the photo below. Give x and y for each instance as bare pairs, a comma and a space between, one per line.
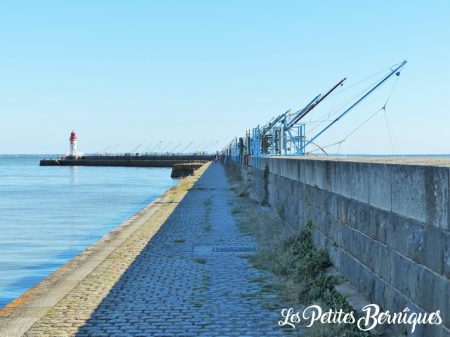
191, 279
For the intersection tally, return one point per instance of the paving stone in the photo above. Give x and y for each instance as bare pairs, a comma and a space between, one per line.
172, 287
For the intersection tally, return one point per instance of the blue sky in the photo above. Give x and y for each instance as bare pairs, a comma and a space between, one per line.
131, 72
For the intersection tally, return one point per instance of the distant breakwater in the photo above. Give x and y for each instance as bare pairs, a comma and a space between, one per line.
174, 161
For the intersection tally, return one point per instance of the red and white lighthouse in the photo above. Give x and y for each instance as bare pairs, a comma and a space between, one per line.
73, 144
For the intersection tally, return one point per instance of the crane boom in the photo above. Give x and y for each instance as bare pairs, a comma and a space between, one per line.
270, 125
395, 71
302, 113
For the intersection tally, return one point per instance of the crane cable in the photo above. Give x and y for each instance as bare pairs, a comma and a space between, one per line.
340, 107
364, 80
383, 108
386, 117
336, 108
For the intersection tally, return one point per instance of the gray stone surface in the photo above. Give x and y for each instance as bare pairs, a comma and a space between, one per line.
409, 192
360, 182
186, 275
434, 242
380, 186
179, 287
384, 221
437, 186
333, 176
447, 257
345, 176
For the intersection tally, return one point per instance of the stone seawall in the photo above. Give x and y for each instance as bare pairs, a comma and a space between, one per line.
385, 224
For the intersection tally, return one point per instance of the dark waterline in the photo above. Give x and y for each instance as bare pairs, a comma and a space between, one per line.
48, 215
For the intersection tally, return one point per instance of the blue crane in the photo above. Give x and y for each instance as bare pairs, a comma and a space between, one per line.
285, 135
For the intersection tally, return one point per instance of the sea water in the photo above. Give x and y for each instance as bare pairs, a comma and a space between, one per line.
49, 214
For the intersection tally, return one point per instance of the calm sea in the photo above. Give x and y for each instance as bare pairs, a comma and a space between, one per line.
48, 215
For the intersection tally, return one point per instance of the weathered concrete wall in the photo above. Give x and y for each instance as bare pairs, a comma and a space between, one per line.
385, 225
184, 170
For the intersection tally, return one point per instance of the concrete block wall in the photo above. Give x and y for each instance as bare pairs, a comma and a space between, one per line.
385, 226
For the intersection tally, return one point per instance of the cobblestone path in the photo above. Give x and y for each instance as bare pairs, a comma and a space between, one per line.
191, 279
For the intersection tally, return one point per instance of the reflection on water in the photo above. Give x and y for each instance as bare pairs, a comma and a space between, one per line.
48, 215
73, 174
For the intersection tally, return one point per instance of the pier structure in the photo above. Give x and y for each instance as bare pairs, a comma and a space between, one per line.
182, 165
162, 160
180, 266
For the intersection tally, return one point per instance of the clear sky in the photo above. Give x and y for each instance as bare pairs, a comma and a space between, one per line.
131, 72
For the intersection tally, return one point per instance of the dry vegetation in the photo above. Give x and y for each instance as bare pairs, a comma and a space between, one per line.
298, 269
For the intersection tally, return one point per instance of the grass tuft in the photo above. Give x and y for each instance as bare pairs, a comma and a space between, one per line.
298, 268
